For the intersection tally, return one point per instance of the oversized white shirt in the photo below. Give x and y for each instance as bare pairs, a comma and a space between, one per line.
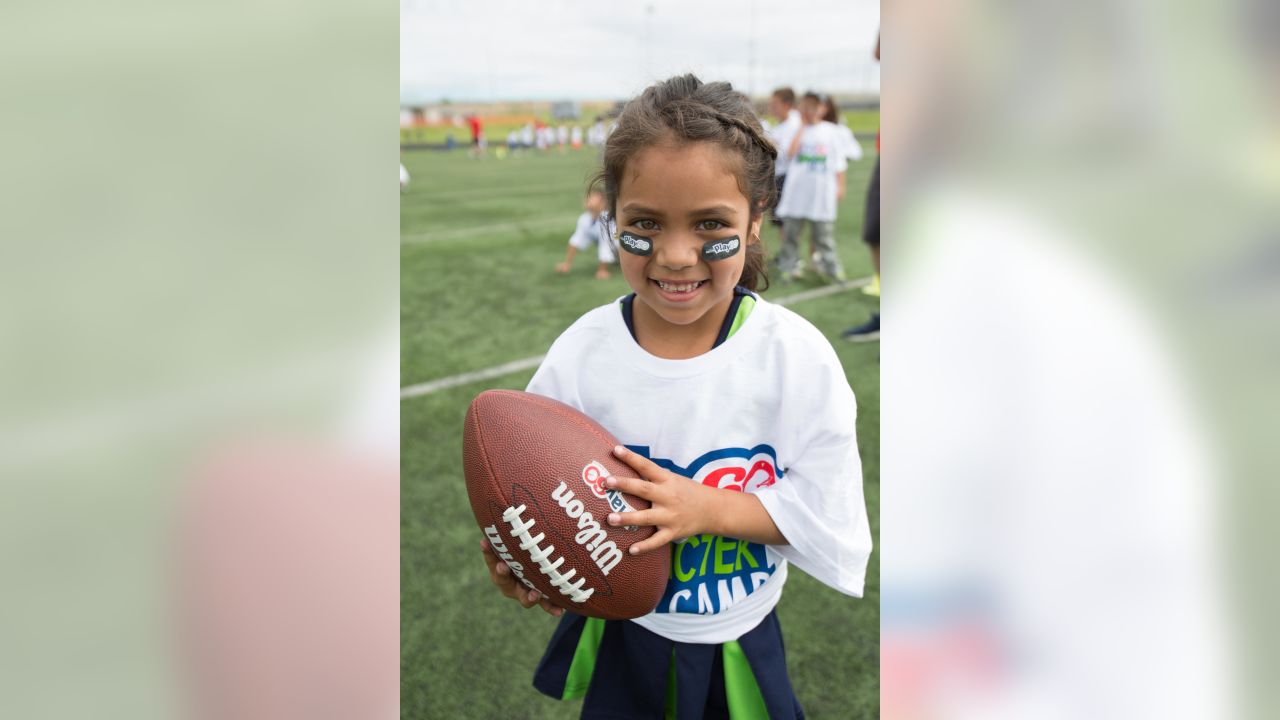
781, 136
768, 412
810, 190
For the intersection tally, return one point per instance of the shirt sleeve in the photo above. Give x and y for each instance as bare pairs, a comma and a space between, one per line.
818, 504
548, 380
853, 149
557, 375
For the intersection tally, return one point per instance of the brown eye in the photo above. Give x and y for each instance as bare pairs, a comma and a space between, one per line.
711, 225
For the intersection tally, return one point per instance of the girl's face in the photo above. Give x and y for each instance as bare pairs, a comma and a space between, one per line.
810, 110
681, 196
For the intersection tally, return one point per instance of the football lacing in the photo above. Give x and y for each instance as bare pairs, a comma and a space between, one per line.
540, 555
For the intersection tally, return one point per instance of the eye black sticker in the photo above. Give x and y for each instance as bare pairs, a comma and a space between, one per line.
712, 250
720, 249
635, 244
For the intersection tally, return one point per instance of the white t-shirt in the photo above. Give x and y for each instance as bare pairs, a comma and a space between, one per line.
781, 137
594, 231
810, 190
768, 412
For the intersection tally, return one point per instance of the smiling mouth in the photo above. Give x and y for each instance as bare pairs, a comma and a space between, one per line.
684, 287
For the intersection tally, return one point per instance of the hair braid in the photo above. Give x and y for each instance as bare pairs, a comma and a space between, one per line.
754, 135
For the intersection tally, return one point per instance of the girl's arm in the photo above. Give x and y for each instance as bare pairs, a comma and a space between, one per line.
741, 515
565, 266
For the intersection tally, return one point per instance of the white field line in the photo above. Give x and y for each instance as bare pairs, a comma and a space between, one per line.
412, 391
469, 377
823, 291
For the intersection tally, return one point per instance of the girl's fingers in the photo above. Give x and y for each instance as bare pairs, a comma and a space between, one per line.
641, 464
660, 538
489, 558
501, 576
631, 486
506, 584
551, 609
640, 517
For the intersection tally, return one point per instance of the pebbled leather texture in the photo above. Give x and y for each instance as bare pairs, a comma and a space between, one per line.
518, 450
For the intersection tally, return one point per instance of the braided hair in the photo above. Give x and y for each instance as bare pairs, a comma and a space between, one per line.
685, 109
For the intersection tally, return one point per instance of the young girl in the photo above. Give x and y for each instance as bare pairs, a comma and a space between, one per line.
736, 416
815, 185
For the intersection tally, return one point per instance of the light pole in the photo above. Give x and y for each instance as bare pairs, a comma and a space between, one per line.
751, 53
648, 42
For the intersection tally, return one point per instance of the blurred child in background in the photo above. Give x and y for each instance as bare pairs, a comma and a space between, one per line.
594, 229
815, 185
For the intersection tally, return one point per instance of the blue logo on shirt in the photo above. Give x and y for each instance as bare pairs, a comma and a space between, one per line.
710, 574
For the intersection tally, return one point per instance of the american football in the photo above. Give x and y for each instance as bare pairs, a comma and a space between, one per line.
535, 471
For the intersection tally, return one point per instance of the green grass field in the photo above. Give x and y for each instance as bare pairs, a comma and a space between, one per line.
480, 239
862, 122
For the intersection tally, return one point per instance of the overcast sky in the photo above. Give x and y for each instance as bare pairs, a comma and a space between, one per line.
580, 49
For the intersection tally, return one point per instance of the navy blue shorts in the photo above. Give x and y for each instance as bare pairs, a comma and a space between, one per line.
871, 214
636, 673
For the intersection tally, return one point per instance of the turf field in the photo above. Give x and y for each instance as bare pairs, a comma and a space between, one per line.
864, 122
480, 239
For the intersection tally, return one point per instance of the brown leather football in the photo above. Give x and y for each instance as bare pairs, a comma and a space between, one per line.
535, 472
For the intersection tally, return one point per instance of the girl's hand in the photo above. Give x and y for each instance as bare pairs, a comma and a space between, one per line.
681, 508
507, 584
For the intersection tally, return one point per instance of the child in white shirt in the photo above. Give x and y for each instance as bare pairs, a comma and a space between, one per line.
815, 185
